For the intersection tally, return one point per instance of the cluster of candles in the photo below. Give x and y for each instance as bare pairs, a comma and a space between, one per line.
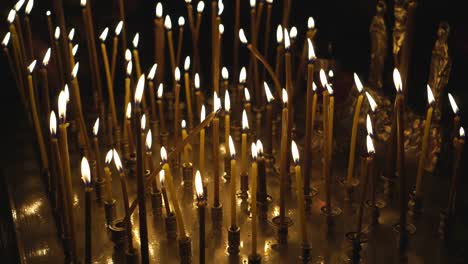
136, 141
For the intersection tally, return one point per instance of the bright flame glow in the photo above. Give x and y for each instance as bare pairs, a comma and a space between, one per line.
268, 93
269, 1
370, 145
32, 66
198, 184
295, 152
227, 101
224, 73
85, 171
163, 154
331, 73
187, 63
285, 96
6, 39
196, 81
246, 94
216, 102
129, 68
11, 16
329, 89
259, 147
453, 104
162, 177
323, 78
149, 140
314, 87
181, 21
71, 34
253, 151
152, 72
118, 28
430, 96
143, 122
243, 75
139, 89
103, 35
67, 93
293, 32
18, 5
462, 132
177, 74
311, 51
287, 42
117, 161
370, 131
46, 58
183, 124
372, 102
62, 105
136, 40
220, 7
221, 29
128, 55
109, 157
83, 2
159, 10
75, 49
202, 113
96, 127
245, 120
310, 23
200, 6
75, 70
397, 80
57, 33
279, 34
48, 13
242, 36
53, 123
128, 112
358, 83
168, 22
160, 90
232, 148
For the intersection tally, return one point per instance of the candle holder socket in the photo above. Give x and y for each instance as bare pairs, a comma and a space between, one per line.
356, 240
156, 203
282, 226
305, 256
227, 168
255, 259
99, 186
185, 250
171, 226
217, 214
118, 232
244, 186
187, 176
110, 211
131, 255
233, 240
375, 207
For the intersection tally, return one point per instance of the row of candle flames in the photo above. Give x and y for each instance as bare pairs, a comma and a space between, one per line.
61, 150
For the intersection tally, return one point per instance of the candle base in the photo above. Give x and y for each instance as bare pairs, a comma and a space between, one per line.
305, 256
330, 212
403, 235
187, 176
282, 225
110, 211
233, 240
227, 168
308, 197
354, 255
375, 207
131, 255
118, 233
171, 226
185, 250
156, 203
99, 186
217, 215
255, 259
244, 186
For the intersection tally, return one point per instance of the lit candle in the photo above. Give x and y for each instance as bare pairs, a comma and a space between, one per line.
200, 8
269, 119
201, 204
173, 194
123, 185
357, 112
309, 112
458, 143
261, 182
245, 129
168, 26
188, 93
115, 45
217, 107
198, 94
425, 142
202, 142
232, 152
97, 153
366, 174
159, 42
225, 76
254, 174
247, 103
325, 167
159, 102
240, 88
299, 192
128, 125
279, 51
289, 89
284, 170
162, 179
149, 158
187, 147
180, 38
177, 105
108, 175
227, 118
136, 56
150, 79
456, 112
110, 85
253, 62
71, 35
27, 12
86, 177
236, 41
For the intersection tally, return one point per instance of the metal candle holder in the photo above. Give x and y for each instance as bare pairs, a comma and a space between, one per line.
171, 226
233, 240
156, 203
185, 250
110, 211
187, 176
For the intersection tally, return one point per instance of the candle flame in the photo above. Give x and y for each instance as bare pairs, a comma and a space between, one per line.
259, 147
430, 95
57, 33
225, 73
370, 145
11, 16
227, 101
269, 1
139, 89
453, 104
103, 35
372, 102
48, 13
163, 154
85, 171
159, 10
168, 22
117, 161
242, 36
18, 5
109, 156
129, 68
221, 29
143, 122
181, 21
96, 127
285, 96
329, 89
279, 34
268, 93
198, 184
246, 94
162, 177
220, 7
177, 74
370, 131
183, 124
287, 42
152, 72
71, 34
136, 40
75, 70
6, 39
83, 3
67, 93
202, 113
310, 23
32, 66
187, 63
128, 55
216, 102
253, 150
160, 90
197, 81
314, 87
462, 132
46, 59
188, 1
311, 51
358, 83
118, 28
200, 7
75, 49
295, 152
242, 75
245, 121
397, 80
323, 78
232, 148
128, 111
293, 32
53, 123
149, 140
62, 105
331, 73
252, 3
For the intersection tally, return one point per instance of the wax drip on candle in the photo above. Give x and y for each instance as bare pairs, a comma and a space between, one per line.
128, 55
370, 131
71, 34
136, 40
224, 73
310, 23
268, 94
118, 28
198, 185
227, 101
453, 104
6, 39
96, 127
243, 75
168, 22
149, 141
311, 51
46, 59
103, 35
152, 72
372, 102
85, 172
75, 50
187, 64
159, 10
279, 34
181, 21
200, 7
53, 123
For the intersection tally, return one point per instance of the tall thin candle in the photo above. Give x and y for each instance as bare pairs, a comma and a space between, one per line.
299, 192
283, 161
188, 93
86, 177
253, 174
201, 204
217, 107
